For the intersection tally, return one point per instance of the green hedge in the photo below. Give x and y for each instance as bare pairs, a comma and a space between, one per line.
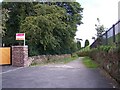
108, 57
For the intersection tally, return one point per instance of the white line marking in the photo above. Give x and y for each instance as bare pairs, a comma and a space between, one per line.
60, 66
11, 70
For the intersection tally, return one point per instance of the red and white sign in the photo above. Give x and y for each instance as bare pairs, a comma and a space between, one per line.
20, 36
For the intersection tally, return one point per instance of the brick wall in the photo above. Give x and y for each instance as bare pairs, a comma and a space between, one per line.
20, 56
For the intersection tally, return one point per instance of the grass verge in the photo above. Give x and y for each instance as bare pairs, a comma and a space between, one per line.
89, 63
67, 60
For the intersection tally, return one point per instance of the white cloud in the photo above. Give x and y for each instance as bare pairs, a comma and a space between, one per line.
106, 10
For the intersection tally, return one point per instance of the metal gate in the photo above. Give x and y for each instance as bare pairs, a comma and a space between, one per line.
5, 55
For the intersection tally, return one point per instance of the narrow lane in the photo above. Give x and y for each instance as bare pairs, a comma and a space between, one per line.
71, 75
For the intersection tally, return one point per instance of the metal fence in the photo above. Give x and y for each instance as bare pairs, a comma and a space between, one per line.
110, 37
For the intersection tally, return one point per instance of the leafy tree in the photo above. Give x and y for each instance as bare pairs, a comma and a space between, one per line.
78, 45
50, 28
3, 18
86, 43
17, 13
99, 28
41, 29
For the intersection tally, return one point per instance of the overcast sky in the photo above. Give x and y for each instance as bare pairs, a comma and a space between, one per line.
105, 10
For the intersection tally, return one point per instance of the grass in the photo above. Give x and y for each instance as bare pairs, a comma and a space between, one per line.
67, 60
89, 63
63, 61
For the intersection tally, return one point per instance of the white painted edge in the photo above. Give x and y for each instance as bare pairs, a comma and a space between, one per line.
12, 70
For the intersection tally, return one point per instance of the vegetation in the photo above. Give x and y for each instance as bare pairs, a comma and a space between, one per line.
99, 28
107, 57
78, 45
83, 51
86, 43
49, 27
117, 39
87, 51
88, 62
65, 60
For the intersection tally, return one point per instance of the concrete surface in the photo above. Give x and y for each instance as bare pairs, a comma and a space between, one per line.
71, 75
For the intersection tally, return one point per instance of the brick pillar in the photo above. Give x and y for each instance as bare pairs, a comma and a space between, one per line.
20, 56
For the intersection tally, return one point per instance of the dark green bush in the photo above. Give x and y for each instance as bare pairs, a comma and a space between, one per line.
33, 51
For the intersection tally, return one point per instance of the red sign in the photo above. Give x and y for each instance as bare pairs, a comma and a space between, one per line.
20, 36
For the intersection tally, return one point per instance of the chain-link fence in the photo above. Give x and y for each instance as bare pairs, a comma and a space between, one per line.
110, 37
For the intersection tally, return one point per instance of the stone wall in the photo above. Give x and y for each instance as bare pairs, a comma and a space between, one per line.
20, 56
46, 58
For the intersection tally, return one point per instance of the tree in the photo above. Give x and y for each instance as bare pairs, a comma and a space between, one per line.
93, 38
99, 28
49, 28
78, 45
46, 29
86, 43
3, 18
17, 12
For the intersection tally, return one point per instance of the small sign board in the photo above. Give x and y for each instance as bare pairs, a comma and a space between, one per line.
20, 36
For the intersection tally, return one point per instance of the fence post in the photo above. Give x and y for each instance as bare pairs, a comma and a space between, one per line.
114, 40
106, 38
118, 32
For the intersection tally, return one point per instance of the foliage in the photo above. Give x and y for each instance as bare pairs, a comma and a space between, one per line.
78, 45
104, 48
83, 52
117, 39
88, 52
108, 59
50, 27
4, 17
67, 60
85, 49
16, 12
74, 55
86, 43
88, 62
99, 28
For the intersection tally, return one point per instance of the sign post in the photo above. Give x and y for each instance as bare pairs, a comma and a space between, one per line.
20, 36
24, 39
